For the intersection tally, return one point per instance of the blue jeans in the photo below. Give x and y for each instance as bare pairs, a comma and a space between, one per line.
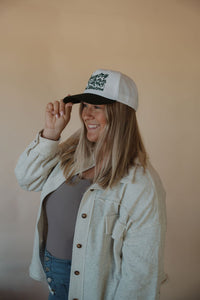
58, 276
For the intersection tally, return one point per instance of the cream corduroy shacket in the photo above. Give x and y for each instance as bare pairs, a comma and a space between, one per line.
121, 230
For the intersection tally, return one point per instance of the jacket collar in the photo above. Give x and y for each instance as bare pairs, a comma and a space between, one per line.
126, 179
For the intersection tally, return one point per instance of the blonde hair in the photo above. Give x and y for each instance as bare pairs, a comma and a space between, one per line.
113, 154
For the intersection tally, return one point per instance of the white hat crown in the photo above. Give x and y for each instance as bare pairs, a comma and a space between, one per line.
113, 85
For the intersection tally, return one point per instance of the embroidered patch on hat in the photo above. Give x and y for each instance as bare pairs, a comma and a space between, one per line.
97, 82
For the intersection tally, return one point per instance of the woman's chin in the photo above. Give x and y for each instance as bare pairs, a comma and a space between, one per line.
92, 138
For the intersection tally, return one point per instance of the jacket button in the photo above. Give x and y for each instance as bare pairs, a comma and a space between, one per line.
84, 216
92, 190
75, 298
79, 246
76, 272
47, 269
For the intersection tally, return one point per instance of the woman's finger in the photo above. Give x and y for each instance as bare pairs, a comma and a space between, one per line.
56, 108
68, 107
50, 108
62, 108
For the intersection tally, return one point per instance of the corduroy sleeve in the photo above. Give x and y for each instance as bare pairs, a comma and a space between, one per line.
36, 163
142, 252
140, 273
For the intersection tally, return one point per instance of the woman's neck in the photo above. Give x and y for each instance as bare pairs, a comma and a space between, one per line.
88, 174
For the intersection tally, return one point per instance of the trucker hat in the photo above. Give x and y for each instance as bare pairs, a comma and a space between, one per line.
106, 86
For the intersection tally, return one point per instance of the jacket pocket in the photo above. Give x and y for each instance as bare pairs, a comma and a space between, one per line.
117, 235
110, 223
118, 230
115, 227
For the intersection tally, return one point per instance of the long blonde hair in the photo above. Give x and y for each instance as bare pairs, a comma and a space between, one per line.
113, 154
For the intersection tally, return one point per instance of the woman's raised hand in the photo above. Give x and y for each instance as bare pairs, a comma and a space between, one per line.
57, 117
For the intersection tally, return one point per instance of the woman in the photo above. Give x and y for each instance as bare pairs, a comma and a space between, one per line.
101, 224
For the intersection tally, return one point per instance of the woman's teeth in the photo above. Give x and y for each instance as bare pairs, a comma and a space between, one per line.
92, 126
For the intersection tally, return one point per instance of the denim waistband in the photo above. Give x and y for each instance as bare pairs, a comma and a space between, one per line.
49, 257
58, 276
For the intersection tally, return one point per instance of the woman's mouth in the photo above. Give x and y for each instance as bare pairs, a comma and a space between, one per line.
90, 127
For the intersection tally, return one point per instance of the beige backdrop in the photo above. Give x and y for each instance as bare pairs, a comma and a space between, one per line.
48, 49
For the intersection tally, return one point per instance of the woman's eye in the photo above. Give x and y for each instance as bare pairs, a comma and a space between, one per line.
97, 107
84, 105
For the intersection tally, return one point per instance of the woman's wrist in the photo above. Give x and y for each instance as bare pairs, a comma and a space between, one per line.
50, 134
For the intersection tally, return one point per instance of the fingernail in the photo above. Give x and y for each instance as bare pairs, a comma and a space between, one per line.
57, 116
61, 113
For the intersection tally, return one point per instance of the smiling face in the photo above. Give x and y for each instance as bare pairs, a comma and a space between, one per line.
94, 118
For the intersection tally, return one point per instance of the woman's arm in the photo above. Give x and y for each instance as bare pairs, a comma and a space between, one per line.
142, 252
142, 258
41, 156
36, 163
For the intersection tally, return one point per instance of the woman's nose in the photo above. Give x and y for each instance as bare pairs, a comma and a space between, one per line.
88, 112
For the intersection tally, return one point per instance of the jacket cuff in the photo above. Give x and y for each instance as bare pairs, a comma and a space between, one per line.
45, 146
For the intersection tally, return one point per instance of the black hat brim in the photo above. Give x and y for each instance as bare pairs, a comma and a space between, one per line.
88, 98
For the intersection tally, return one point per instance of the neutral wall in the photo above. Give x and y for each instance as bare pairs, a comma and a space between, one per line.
49, 49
